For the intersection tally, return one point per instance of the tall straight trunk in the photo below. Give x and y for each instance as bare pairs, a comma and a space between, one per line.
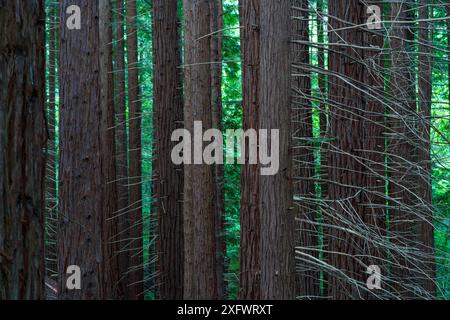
22, 141
50, 176
276, 194
308, 276
344, 171
84, 205
109, 205
354, 219
123, 233
199, 228
402, 151
136, 271
218, 169
250, 265
373, 154
168, 177
426, 229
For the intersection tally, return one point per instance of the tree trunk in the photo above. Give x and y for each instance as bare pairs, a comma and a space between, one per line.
50, 177
218, 169
136, 271
84, 210
402, 152
199, 229
22, 141
250, 265
276, 193
355, 218
426, 229
108, 143
308, 276
373, 154
122, 219
168, 177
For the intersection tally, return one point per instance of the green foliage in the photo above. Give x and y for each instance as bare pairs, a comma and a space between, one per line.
232, 119
145, 49
441, 151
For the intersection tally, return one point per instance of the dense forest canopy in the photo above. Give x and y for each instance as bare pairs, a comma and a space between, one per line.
354, 96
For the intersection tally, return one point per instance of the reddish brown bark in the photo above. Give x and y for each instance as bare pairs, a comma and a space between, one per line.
84, 206
373, 124
199, 228
355, 161
168, 177
402, 151
218, 169
135, 252
308, 277
276, 196
108, 143
122, 219
22, 141
426, 229
250, 266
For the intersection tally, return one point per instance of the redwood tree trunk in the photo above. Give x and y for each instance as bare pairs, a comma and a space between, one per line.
168, 177
199, 228
307, 232
135, 251
402, 152
355, 219
250, 266
426, 229
218, 169
109, 206
84, 209
276, 193
122, 219
22, 141
373, 125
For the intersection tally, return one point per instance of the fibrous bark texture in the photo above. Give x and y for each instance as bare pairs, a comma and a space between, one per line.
135, 247
122, 221
355, 216
250, 267
85, 208
22, 149
216, 16
276, 191
402, 152
168, 177
426, 228
307, 231
200, 278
